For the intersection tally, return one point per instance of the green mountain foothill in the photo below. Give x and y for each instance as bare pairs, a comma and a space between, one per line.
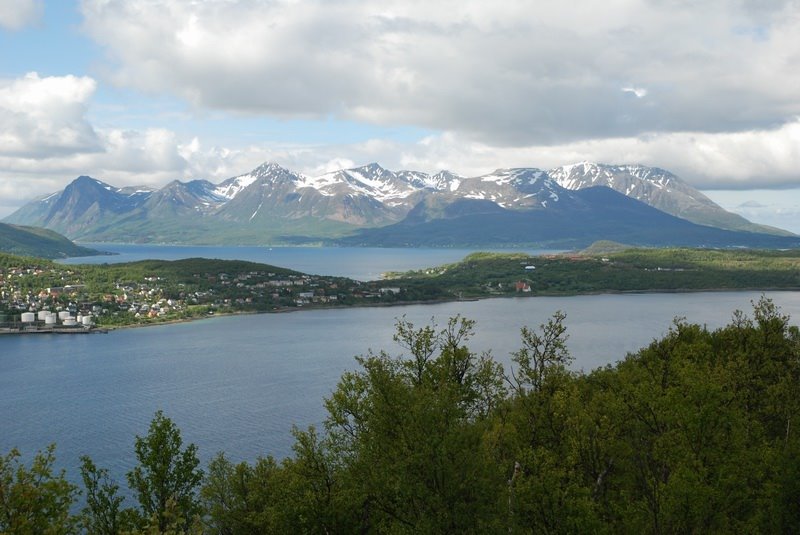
39, 242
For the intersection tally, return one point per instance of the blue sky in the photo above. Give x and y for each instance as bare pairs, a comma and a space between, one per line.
147, 91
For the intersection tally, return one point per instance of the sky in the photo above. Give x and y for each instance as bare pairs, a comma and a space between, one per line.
142, 92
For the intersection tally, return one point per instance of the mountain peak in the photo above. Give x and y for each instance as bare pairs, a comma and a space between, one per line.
444, 173
371, 170
515, 175
584, 174
267, 172
85, 180
269, 168
360, 196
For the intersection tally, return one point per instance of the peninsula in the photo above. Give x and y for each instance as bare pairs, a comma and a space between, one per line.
157, 291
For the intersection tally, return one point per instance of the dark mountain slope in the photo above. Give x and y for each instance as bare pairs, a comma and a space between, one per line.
577, 220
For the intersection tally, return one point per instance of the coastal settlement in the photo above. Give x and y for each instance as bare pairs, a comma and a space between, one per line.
42, 296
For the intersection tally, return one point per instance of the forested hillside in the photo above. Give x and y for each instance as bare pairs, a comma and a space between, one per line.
697, 432
34, 241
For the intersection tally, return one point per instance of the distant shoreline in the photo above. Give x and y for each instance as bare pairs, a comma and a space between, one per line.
203, 288
440, 301
104, 329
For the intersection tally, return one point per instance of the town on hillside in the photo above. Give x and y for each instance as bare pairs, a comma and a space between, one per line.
40, 296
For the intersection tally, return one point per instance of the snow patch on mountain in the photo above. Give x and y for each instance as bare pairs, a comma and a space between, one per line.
372, 195
231, 188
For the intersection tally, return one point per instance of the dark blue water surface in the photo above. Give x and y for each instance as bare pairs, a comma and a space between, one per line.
361, 263
239, 383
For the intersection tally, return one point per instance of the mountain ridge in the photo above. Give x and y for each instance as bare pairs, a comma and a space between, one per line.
578, 219
273, 203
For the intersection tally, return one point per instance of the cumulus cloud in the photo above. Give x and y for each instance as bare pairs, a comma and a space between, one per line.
48, 141
741, 160
20, 13
41, 116
511, 73
149, 157
763, 158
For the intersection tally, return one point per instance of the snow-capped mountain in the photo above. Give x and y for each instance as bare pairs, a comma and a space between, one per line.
83, 205
510, 188
371, 180
577, 219
368, 195
271, 203
656, 187
184, 197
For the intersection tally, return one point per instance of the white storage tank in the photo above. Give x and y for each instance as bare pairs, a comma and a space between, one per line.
50, 319
87, 320
64, 314
70, 322
28, 317
79, 319
42, 315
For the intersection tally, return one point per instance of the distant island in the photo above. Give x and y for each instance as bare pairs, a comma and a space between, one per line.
158, 291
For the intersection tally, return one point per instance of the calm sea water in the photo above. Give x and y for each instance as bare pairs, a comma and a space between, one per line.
240, 383
361, 263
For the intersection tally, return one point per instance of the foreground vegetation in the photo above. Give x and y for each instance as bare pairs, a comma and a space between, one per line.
697, 432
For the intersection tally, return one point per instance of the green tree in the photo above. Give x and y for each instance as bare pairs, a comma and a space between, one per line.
699, 428
407, 432
241, 499
166, 475
695, 433
34, 500
543, 353
546, 437
102, 514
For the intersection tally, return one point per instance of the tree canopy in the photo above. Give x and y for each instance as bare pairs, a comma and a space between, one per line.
698, 432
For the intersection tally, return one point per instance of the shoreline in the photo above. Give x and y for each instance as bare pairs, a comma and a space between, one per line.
110, 328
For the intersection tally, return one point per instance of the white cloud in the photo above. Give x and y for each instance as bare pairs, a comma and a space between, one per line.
639, 92
151, 157
742, 160
16, 14
46, 140
512, 73
41, 116
333, 165
767, 158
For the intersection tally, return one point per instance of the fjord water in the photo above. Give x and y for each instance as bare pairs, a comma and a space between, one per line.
239, 383
361, 263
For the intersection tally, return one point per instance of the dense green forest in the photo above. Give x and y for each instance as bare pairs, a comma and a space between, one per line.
698, 432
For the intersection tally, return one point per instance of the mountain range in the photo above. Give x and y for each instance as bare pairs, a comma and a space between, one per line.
370, 205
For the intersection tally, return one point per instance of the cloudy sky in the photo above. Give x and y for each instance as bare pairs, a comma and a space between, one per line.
147, 91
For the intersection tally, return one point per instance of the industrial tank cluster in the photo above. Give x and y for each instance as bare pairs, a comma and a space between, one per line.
51, 318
